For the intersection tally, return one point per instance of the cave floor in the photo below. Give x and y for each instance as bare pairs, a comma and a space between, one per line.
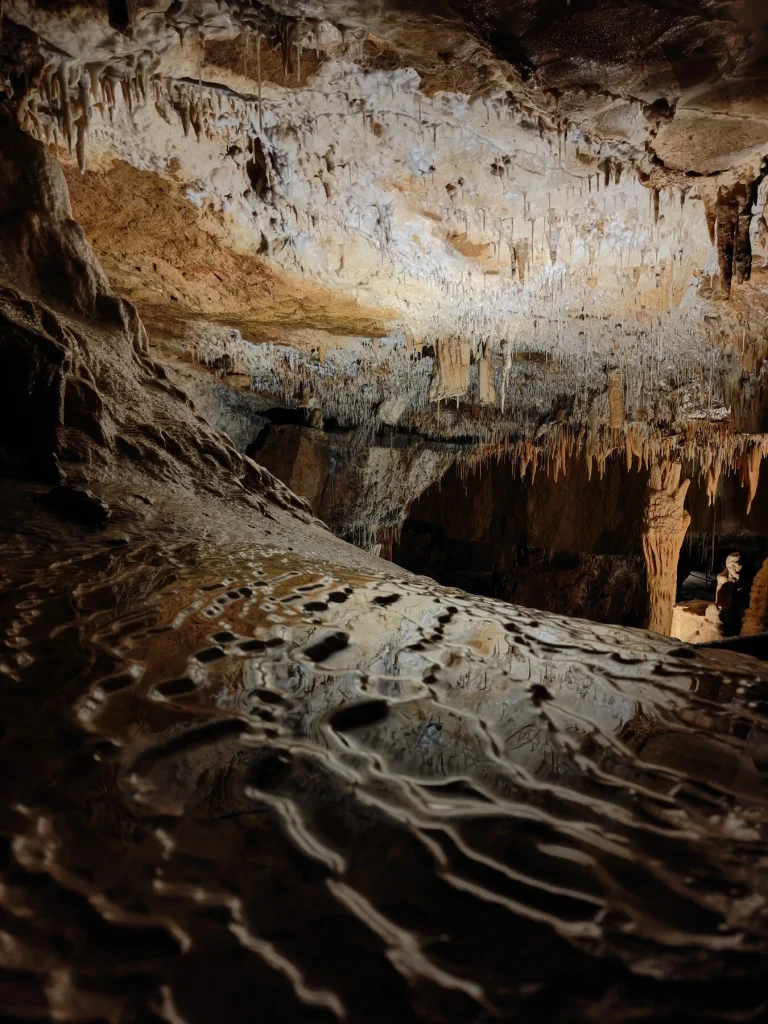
238, 780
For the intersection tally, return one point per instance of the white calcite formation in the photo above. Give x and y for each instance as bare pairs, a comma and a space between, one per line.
477, 221
558, 273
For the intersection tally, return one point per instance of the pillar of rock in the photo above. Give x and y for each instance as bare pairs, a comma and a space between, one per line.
665, 524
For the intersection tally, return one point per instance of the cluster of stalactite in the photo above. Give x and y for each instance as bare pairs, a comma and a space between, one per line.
480, 353
58, 101
710, 447
60, 109
456, 388
707, 449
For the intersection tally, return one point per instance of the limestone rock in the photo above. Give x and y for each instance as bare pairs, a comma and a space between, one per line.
665, 525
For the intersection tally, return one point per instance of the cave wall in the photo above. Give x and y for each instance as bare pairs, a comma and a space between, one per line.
90, 422
491, 504
571, 544
358, 486
729, 510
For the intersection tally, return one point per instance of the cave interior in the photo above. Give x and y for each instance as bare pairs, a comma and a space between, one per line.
384, 574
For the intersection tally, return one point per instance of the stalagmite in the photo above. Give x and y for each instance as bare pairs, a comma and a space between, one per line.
696, 622
699, 621
665, 523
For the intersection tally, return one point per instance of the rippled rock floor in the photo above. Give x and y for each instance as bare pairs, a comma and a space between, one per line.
241, 785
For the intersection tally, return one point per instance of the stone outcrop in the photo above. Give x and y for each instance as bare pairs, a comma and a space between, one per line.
756, 615
701, 622
696, 622
44, 249
359, 487
82, 401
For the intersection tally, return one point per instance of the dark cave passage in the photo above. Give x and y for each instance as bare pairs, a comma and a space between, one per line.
573, 546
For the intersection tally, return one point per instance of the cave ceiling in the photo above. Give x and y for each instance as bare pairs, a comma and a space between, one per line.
491, 219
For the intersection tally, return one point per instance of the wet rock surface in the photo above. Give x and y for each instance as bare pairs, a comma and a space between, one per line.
260, 780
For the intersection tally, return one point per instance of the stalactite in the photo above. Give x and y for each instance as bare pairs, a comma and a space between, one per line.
288, 33
485, 379
86, 112
726, 224
742, 259
749, 473
593, 438
665, 523
710, 213
298, 54
617, 412
258, 73
606, 166
80, 125
713, 473
183, 107
452, 370
65, 102
521, 254
473, 308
